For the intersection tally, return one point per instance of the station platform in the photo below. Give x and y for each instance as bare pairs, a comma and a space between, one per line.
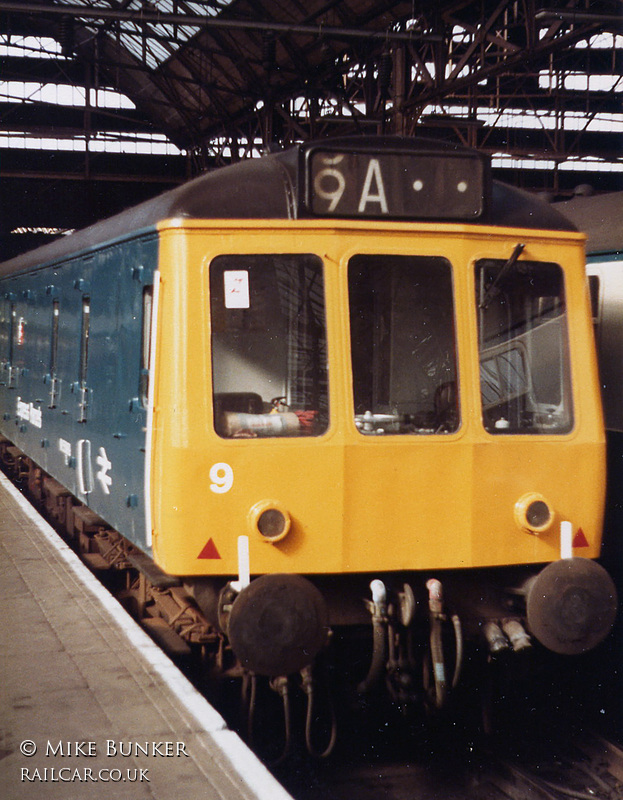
89, 706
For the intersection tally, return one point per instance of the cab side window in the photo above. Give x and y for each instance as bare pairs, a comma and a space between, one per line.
525, 384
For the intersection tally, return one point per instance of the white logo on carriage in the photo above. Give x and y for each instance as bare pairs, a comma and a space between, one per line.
105, 466
65, 448
29, 413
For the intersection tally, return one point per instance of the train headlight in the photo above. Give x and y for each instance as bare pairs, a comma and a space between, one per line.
533, 513
270, 519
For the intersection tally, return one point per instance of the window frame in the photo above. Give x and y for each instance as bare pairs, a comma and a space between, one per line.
565, 407
377, 423
253, 403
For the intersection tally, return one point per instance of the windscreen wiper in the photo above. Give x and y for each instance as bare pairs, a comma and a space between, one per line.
492, 291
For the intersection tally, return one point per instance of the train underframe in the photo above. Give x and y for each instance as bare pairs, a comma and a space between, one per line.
405, 636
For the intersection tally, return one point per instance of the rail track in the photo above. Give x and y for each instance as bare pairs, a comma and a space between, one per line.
573, 766
585, 767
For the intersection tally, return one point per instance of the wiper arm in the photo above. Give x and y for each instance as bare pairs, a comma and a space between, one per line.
492, 291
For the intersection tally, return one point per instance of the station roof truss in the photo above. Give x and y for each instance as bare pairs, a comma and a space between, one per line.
535, 83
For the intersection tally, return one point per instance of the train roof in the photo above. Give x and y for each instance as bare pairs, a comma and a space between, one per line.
271, 187
600, 217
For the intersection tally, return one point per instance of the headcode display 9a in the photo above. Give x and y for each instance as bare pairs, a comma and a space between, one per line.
398, 184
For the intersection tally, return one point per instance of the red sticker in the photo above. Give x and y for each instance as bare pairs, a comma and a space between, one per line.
209, 551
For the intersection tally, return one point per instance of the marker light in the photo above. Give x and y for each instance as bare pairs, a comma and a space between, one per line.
270, 519
533, 513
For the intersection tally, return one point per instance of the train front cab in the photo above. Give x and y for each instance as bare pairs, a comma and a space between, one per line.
395, 401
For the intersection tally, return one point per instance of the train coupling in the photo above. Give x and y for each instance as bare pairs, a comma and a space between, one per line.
507, 635
400, 608
378, 605
393, 653
391, 618
378, 610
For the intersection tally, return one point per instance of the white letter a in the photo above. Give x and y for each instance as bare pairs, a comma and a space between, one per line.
373, 174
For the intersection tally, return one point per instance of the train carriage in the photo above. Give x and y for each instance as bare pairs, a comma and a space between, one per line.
600, 217
353, 383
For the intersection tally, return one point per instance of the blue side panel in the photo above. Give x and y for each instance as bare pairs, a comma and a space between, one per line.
71, 392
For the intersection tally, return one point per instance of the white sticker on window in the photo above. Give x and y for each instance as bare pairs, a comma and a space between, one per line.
237, 289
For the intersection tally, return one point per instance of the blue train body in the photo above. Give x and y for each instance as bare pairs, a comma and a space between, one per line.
72, 395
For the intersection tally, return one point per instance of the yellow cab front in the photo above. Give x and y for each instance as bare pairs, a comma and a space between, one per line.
354, 398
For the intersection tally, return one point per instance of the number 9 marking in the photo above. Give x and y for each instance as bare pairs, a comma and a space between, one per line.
325, 178
222, 477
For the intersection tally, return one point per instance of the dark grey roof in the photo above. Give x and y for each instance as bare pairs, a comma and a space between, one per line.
267, 188
600, 217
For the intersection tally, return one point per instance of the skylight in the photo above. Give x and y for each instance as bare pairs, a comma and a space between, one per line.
32, 46
602, 41
126, 143
40, 229
62, 95
151, 42
529, 119
571, 164
70, 96
581, 82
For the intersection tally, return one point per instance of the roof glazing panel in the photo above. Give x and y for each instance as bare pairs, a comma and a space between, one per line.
151, 42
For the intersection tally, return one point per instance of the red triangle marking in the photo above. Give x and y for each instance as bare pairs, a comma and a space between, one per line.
209, 551
580, 540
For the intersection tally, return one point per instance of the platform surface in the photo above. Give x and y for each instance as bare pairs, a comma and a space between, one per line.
89, 706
